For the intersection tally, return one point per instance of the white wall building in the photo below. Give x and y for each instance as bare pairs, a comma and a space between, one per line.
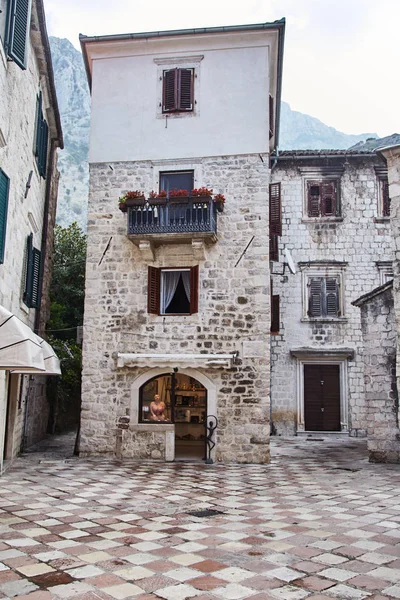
177, 294
30, 133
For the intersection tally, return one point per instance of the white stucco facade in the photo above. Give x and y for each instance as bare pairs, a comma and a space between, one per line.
233, 79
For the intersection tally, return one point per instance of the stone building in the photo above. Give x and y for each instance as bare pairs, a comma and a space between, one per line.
381, 392
336, 227
30, 133
177, 293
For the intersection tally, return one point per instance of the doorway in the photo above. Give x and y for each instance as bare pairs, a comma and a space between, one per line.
183, 401
322, 397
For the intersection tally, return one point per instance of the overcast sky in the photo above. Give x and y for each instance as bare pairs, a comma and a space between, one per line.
341, 61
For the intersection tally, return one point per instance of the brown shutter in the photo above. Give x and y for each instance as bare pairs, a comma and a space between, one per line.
275, 209
194, 289
385, 199
273, 247
315, 297
185, 89
153, 291
169, 90
313, 198
271, 117
275, 313
328, 199
332, 297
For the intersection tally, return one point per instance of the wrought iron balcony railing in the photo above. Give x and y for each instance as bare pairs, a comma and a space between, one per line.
186, 216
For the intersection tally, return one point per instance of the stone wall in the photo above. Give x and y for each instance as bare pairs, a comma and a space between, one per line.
233, 307
26, 206
356, 242
379, 335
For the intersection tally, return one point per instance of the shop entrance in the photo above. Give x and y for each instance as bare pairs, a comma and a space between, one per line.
182, 400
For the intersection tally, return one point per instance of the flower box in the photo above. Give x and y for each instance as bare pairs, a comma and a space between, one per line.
179, 199
140, 201
123, 207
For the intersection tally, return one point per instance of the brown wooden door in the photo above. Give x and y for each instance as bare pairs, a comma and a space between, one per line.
322, 397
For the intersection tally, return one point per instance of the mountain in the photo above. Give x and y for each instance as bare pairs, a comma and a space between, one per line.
74, 103
298, 132
302, 132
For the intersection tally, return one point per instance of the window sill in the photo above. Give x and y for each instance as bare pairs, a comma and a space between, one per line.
324, 320
153, 427
381, 219
322, 220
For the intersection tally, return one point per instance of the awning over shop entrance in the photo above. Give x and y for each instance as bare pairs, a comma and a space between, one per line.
22, 351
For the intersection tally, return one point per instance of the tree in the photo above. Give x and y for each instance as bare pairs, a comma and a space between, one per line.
67, 292
67, 289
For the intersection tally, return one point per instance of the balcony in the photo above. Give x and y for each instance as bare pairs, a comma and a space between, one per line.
179, 220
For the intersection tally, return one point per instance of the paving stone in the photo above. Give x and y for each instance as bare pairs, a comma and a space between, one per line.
303, 527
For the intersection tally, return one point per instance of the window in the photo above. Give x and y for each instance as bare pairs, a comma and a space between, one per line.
4, 190
16, 30
322, 199
384, 197
178, 89
323, 297
42, 134
275, 220
33, 275
177, 180
173, 291
385, 268
323, 289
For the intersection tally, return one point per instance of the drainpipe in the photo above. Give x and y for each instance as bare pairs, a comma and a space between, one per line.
49, 179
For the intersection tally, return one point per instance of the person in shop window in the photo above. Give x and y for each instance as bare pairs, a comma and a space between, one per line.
157, 409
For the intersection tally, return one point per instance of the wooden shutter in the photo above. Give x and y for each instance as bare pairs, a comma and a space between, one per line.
185, 89
332, 297
385, 198
4, 191
153, 291
271, 117
33, 274
275, 209
28, 271
273, 247
194, 289
315, 296
328, 199
42, 135
17, 31
36, 277
169, 90
313, 198
275, 313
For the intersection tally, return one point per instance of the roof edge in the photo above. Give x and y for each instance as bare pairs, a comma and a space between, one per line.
375, 292
278, 25
49, 66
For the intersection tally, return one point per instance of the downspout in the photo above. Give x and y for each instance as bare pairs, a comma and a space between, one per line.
45, 230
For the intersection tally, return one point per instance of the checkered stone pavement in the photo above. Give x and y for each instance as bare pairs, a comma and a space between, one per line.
319, 523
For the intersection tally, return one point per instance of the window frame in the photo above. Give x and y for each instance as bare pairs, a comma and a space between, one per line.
18, 17
162, 174
321, 181
154, 290
384, 198
324, 270
385, 269
178, 62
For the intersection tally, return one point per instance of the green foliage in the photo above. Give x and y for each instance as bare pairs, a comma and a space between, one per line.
67, 289
66, 314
